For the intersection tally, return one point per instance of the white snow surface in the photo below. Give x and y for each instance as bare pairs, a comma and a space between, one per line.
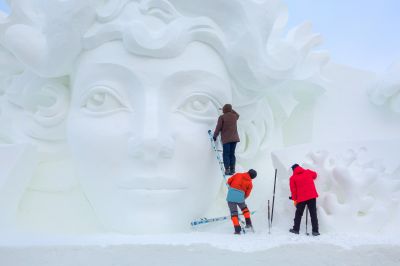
226, 240
218, 246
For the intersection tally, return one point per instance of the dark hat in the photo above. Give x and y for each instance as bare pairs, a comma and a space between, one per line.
252, 173
227, 108
294, 166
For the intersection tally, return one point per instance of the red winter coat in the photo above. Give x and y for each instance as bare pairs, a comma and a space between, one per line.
241, 181
302, 184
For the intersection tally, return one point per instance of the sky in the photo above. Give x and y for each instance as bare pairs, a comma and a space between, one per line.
4, 6
359, 33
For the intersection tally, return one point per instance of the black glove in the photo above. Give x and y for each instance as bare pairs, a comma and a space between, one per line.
214, 138
290, 197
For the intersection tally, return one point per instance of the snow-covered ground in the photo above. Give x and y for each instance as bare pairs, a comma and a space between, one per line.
204, 248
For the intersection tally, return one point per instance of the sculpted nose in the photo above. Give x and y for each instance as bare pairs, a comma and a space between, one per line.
154, 142
151, 149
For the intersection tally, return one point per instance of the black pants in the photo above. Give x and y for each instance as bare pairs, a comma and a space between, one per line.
312, 207
228, 154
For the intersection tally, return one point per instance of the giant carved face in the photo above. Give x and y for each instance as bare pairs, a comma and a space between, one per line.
138, 133
146, 81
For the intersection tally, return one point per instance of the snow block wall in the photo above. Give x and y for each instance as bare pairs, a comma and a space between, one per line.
14, 179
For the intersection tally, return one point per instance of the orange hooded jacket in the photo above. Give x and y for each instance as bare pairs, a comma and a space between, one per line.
241, 181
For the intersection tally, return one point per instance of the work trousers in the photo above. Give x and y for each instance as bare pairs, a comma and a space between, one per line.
228, 154
312, 207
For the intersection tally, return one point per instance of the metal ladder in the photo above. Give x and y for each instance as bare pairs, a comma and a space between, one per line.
218, 155
222, 167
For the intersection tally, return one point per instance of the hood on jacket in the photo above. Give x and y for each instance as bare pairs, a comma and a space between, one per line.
298, 170
227, 108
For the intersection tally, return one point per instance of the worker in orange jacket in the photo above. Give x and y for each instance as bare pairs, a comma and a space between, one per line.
239, 189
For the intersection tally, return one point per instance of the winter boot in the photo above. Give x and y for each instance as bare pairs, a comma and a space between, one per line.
232, 170
249, 226
227, 170
237, 230
248, 223
294, 231
315, 233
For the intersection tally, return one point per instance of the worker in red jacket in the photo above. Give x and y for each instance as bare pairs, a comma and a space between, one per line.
239, 189
304, 194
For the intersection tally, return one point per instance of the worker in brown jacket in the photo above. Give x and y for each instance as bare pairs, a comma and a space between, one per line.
227, 125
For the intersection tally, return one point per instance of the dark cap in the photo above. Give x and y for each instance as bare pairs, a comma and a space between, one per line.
227, 108
252, 173
294, 166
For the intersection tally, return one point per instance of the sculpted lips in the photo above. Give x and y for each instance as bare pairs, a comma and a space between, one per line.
156, 183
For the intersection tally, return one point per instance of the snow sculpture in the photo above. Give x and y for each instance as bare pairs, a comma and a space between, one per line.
387, 89
117, 97
358, 192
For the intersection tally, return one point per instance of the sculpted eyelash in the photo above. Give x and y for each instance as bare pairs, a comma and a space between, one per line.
102, 89
199, 94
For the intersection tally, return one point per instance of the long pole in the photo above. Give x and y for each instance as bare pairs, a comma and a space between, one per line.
306, 220
273, 198
269, 219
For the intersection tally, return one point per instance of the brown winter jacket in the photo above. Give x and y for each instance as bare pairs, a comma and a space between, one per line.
227, 125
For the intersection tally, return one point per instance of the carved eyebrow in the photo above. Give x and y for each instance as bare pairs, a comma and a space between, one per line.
194, 79
107, 75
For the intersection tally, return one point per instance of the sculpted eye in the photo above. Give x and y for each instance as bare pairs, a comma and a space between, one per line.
199, 106
103, 100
